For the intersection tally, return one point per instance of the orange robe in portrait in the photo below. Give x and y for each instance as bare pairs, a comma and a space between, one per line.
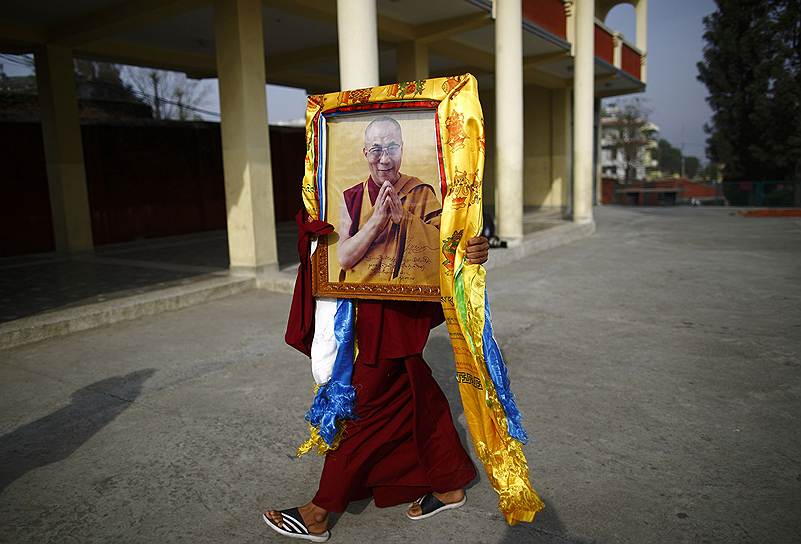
405, 253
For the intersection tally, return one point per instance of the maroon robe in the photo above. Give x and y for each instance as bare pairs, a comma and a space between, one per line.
403, 443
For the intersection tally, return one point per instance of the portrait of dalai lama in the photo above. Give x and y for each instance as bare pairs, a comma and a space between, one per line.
389, 222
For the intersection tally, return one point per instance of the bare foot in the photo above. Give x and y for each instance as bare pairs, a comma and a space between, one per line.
314, 517
448, 497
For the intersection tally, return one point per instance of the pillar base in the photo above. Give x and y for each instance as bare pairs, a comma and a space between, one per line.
512, 241
583, 220
253, 271
76, 254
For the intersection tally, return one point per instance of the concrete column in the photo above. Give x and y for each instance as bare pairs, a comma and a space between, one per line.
641, 10
487, 98
561, 141
357, 31
61, 131
570, 24
412, 61
597, 158
245, 138
583, 101
617, 51
509, 119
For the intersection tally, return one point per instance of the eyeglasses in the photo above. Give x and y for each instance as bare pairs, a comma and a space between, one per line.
376, 152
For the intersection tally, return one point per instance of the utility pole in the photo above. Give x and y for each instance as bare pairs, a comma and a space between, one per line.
154, 77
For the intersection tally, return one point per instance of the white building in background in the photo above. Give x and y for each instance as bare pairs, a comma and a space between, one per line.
622, 135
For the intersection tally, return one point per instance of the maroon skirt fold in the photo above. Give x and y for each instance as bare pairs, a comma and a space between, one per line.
402, 445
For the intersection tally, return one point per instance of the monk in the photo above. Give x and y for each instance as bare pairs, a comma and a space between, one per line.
403, 446
389, 223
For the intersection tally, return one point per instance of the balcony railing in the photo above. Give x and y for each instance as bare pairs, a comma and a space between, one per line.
604, 43
550, 15
547, 14
630, 60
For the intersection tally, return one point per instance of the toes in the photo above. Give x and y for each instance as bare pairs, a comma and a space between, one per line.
276, 518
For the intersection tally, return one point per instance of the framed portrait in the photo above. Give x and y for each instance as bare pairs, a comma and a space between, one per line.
377, 169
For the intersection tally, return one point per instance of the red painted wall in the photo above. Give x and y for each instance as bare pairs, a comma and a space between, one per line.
144, 181
608, 186
548, 14
630, 61
686, 190
25, 220
604, 46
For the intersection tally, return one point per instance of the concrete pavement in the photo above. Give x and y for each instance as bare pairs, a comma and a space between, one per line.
48, 295
657, 365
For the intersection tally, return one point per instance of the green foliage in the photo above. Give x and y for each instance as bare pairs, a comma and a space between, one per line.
691, 166
752, 69
103, 81
780, 196
735, 195
670, 161
669, 158
711, 171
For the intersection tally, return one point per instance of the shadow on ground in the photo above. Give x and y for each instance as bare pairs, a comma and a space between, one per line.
547, 528
56, 436
354, 508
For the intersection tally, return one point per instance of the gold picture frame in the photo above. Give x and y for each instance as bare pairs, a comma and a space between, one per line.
406, 260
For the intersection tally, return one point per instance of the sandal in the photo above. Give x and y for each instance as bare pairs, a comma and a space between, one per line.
430, 506
294, 527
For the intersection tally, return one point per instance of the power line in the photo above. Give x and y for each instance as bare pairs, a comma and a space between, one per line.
141, 94
15, 60
160, 99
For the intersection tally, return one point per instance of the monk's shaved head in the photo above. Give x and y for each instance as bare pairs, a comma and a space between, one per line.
383, 149
381, 122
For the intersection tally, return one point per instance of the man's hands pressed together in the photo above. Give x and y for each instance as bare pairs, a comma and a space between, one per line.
392, 201
388, 207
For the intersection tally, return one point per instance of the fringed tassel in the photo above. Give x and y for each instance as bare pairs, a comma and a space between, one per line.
335, 401
316, 441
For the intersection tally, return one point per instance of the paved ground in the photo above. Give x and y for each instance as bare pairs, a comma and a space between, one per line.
657, 364
33, 285
43, 283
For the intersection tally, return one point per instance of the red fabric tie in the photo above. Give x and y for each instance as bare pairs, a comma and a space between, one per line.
300, 326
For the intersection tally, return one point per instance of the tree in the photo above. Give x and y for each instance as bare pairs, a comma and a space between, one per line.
752, 70
171, 95
629, 132
673, 162
102, 81
669, 158
710, 172
691, 166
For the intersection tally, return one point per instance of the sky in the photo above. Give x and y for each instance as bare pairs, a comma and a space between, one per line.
675, 45
675, 96
283, 103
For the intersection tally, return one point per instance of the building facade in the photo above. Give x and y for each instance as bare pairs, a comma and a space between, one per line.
555, 60
629, 147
